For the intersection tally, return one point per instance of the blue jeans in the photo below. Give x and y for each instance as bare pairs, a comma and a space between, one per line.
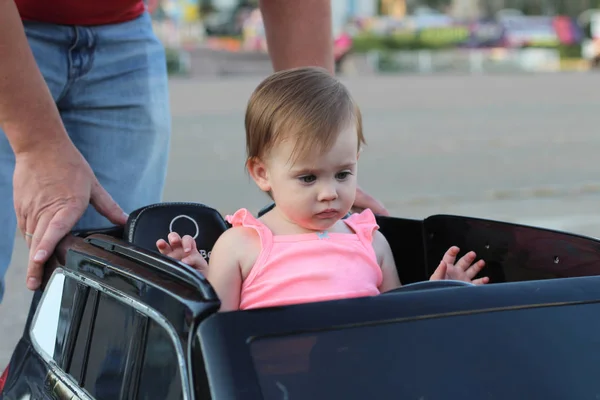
111, 87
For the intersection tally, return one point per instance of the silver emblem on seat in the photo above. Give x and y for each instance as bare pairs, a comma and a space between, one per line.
186, 217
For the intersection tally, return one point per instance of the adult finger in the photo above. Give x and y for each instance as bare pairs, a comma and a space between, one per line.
59, 225
27, 235
377, 207
37, 227
106, 206
364, 200
34, 232
28, 238
22, 222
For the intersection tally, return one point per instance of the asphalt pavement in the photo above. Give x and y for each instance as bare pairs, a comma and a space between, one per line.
520, 148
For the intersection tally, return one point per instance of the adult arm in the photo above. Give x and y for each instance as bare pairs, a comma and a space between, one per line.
28, 114
298, 33
53, 184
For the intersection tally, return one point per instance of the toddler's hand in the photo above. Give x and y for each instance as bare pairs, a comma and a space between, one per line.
462, 270
183, 249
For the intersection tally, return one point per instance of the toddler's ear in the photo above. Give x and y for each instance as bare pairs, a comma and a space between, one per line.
258, 171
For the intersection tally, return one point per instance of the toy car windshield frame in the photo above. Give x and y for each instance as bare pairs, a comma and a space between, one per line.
526, 339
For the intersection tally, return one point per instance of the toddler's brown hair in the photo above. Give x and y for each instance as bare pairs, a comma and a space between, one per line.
306, 104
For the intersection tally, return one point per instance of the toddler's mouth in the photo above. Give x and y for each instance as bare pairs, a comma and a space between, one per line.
329, 213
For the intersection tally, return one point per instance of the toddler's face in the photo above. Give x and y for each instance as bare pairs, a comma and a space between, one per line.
317, 190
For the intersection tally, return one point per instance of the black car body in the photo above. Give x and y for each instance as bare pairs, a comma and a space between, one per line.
117, 320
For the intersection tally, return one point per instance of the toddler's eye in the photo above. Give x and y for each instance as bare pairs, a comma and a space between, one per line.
308, 178
342, 175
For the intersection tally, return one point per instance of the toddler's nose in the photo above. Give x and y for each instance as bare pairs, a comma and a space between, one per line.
328, 194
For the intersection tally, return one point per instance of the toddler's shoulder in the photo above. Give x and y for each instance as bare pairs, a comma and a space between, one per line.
380, 241
238, 236
245, 230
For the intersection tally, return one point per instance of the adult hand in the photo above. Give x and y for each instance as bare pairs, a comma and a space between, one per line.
52, 189
364, 200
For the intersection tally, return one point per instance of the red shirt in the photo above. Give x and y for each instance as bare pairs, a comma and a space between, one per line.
80, 12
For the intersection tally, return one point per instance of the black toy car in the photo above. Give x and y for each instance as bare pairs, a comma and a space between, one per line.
117, 320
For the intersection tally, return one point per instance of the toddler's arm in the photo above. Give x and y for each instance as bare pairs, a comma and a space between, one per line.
223, 273
385, 257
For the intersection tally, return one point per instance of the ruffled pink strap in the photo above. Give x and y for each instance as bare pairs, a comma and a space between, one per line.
243, 217
364, 224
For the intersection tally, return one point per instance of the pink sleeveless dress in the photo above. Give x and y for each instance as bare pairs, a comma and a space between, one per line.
302, 268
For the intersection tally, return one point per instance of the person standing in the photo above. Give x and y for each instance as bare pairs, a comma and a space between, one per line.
84, 111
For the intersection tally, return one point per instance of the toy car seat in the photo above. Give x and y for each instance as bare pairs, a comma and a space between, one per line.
148, 224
